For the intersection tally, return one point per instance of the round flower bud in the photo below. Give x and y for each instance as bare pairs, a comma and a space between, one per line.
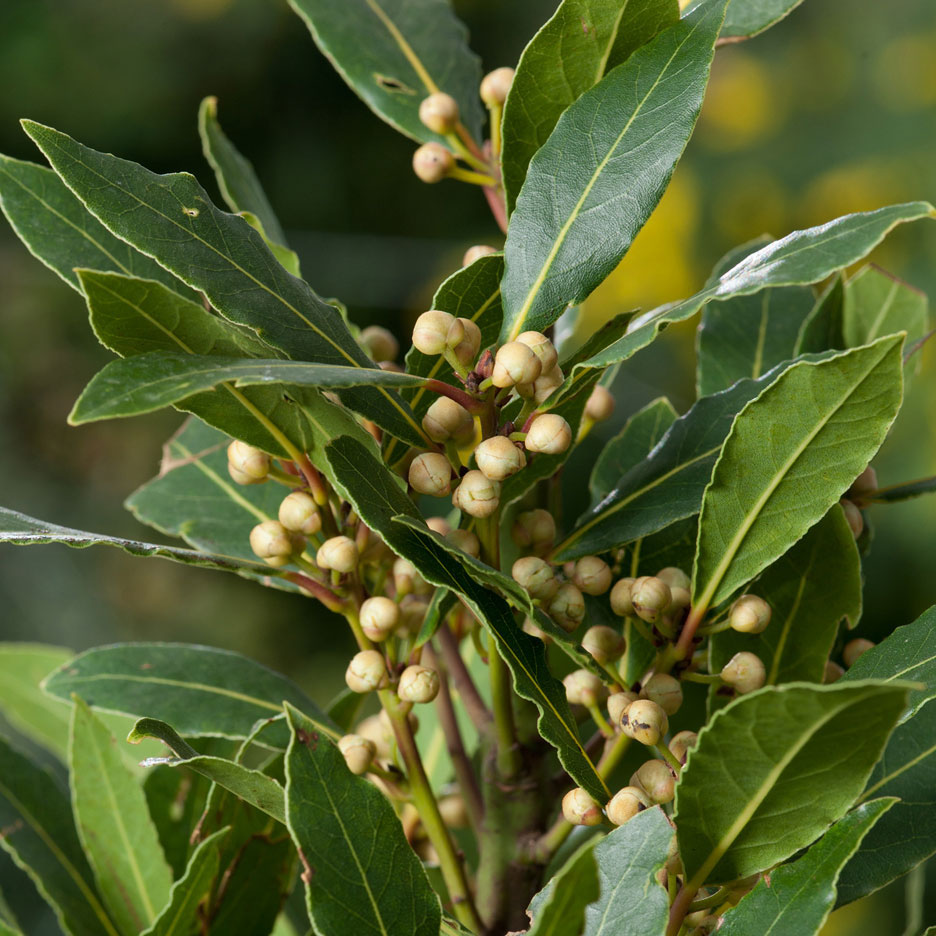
580, 809
644, 721
495, 85
621, 603
379, 618
374, 729
338, 553
567, 607
439, 112
745, 672
358, 752
476, 253
435, 331
854, 649
534, 528
300, 514
656, 779
498, 458
665, 690
679, 599
542, 347
432, 162
863, 485
271, 540
546, 383
604, 643
515, 363
245, 461
379, 343
477, 495
749, 615
418, 684
600, 404
674, 577
431, 473
366, 671
446, 419
583, 687
680, 743
625, 804
651, 597
536, 576
832, 673
406, 579
549, 434
854, 517
453, 810
467, 349
466, 541
439, 525
592, 575
617, 706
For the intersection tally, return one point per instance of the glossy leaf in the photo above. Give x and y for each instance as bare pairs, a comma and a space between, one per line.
750, 17
822, 328
377, 499
394, 53
59, 231
788, 761
171, 218
878, 304
359, 872
765, 493
288, 259
114, 826
559, 908
810, 590
237, 180
199, 690
799, 896
39, 834
570, 54
591, 187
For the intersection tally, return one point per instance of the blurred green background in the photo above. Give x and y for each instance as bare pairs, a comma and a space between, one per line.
832, 111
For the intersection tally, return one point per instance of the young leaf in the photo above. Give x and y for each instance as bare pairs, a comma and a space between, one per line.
769, 488
877, 304
799, 896
114, 826
559, 908
591, 187
572, 52
202, 691
171, 218
773, 769
39, 834
810, 590
822, 328
181, 914
749, 17
239, 185
394, 53
59, 231
359, 872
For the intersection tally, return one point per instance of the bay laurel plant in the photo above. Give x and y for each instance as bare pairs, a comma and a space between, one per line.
649, 719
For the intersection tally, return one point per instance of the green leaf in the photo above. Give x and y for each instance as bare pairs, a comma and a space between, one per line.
810, 590
377, 499
905, 491
239, 185
787, 761
287, 258
359, 872
148, 382
60, 232
877, 304
171, 218
750, 17
571, 53
631, 445
180, 916
39, 834
114, 826
822, 328
591, 187
199, 690
252, 786
908, 653
797, 899
439, 606
345, 708
632, 903
559, 908
394, 53
798, 259
769, 487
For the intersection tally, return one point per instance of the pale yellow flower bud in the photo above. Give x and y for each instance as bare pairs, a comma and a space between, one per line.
498, 458
536, 576
534, 528
854, 649
583, 687
745, 672
625, 804
546, 383
271, 540
674, 577
467, 349
358, 752
600, 404
439, 112
432, 162
680, 744
549, 434
665, 690
567, 607
749, 615
621, 603
542, 347
466, 541
366, 672
617, 706
338, 553
515, 363
299, 513
446, 419
592, 575
644, 721
431, 473
656, 780
379, 343
651, 597
379, 618
247, 462
477, 495
476, 253
580, 809
604, 643
436, 330
495, 85
418, 684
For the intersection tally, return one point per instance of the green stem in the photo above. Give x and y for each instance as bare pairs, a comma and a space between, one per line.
707, 679
600, 720
713, 900
668, 756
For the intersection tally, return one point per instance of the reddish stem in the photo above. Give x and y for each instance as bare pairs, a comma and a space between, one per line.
317, 590
495, 199
472, 404
679, 910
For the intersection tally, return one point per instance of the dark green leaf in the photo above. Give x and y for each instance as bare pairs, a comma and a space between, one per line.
394, 53
591, 187
909, 489
39, 833
345, 709
442, 602
798, 897
877, 304
766, 492
750, 17
822, 328
559, 908
360, 874
787, 761
287, 258
570, 54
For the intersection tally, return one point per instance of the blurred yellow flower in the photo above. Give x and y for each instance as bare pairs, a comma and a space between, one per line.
904, 73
